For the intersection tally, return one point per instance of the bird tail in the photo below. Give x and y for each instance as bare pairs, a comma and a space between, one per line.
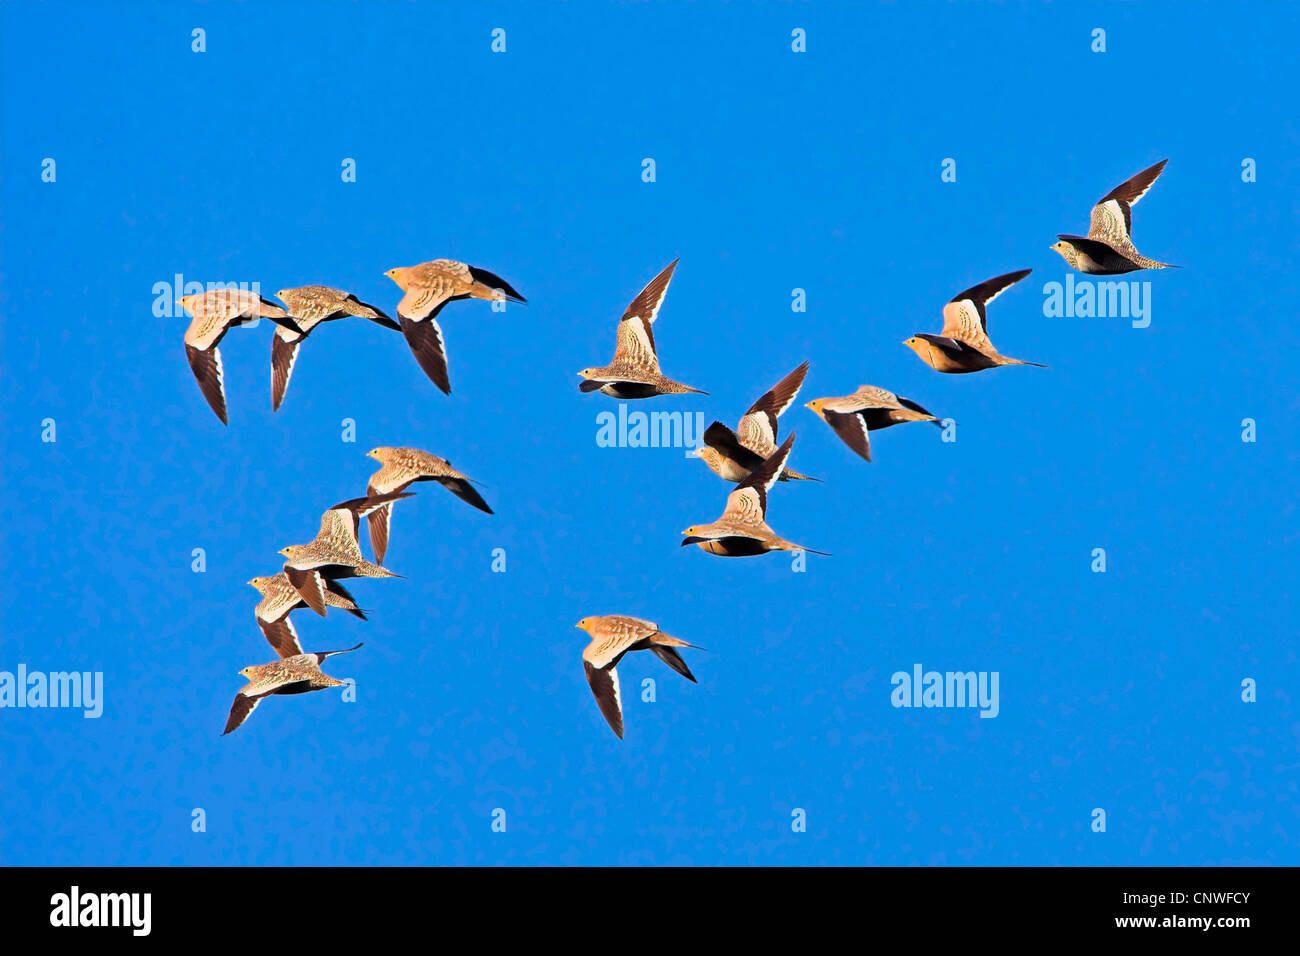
670, 641
1011, 361
797, 476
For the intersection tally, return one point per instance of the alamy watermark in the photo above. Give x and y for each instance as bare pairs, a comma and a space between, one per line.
168, 294
650, 429
83, 690
1107, 299
946, 689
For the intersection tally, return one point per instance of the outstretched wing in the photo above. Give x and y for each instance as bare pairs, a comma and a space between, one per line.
604, 685
636, 340
758, 427
748, 500
965, 317
1112, 217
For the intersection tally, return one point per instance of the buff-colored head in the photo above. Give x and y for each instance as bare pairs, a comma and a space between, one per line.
259, 583
586, 624
292, 551
1065, 251
918, 345
247, 672
818, 405
398, 275
380, 453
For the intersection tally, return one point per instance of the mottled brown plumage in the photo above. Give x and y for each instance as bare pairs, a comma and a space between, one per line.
431, 285
335, 551
733, 455
963, 345
868, 409
215, 313
613, 636
309, 306
634, 371
742, 529
1108, 248
401, 468
297, 674
280, 597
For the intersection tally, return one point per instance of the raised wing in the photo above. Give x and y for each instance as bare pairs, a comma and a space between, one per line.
965, 317
758, 427
748, 500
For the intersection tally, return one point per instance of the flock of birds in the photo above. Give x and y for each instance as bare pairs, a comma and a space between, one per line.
748, 457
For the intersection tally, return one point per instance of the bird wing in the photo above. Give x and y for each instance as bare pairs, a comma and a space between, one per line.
604, 685
852, 428
1112, 217
461, 487
758, 427
283, 354
281, 636
636, 339
748, 500
424, 336
965, 317
310, 587
239, 711
495, 282
206, 366
354, 306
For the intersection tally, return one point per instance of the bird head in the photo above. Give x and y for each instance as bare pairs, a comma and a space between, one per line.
378, 453
258, 583
584, 625
290, 551
396, 274
916, 344
1065, 251
246, 672
816, 405
587, 372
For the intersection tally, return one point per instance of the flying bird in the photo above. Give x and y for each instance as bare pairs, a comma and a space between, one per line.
215, 313
963, 345
400, 468
733, 455
866, 410
1107, 249
309, 306
612, 636
298, 674
742, 530
634, 371
430, 286
335, 551
280, 597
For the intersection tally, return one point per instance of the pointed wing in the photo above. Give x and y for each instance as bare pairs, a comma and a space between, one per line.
281, 636
206, 366
425, 339
494, 281
674, 660
852, 428
283, 355
1112, 217
748, 500
381, 523
462, 489
758, 428
636, 340
604, 684
354, 306
965, 317
310, 587
239, 711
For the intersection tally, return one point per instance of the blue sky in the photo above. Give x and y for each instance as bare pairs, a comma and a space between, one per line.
774, 171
